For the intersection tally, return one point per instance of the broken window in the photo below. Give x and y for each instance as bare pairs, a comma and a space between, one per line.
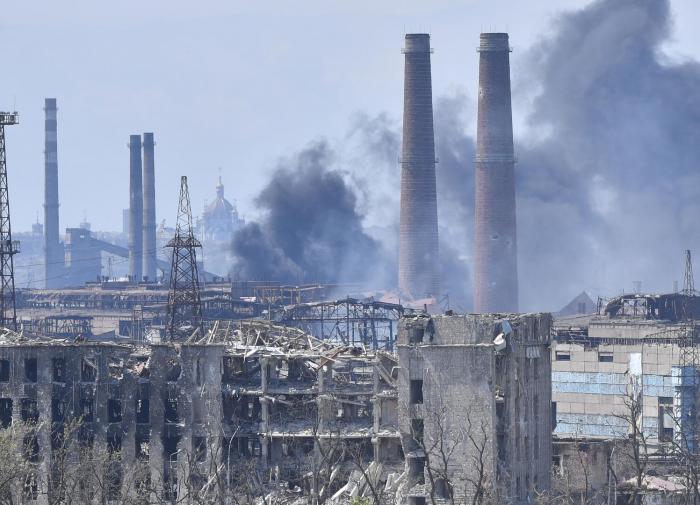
142, 442
199, 449
665, 419
86, 436
115, 368
5, 412
31, 447
170, 410
114, 410
173, 370
59, 369
58, 410
562, 355
416, 468
170, 467
30, 372
605, 357
417, 429
57, 437
4, 370
443, 489
29, 411
416, 391
142, 411
114, 442
86, 410
415, 334
88, 370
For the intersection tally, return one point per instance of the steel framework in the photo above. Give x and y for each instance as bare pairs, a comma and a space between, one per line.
184, 312
8, 247
348, 321
688, 280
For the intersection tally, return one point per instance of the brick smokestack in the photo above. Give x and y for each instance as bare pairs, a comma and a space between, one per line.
495, 265
53, 249
149, 209
135, 209
418, 232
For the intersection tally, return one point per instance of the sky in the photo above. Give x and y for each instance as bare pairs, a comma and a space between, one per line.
226, 85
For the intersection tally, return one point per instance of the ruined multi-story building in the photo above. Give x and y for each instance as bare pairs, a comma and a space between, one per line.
474, 406
236, 411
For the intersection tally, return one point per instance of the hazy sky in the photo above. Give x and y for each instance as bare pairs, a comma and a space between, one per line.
227, 84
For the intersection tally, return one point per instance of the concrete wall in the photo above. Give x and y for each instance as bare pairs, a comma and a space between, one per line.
499, 397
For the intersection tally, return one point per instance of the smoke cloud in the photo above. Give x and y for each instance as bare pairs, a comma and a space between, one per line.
608, 179
311, 230
607, 176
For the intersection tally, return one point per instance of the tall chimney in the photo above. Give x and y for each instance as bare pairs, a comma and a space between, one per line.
418, 231
495, 262
149, 209
135, 209
53, 251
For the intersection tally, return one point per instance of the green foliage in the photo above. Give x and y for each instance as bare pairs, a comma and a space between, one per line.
358, 500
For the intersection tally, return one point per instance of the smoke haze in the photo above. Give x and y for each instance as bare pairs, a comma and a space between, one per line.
607, 173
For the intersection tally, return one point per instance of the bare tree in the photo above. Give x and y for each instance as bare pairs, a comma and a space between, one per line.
633, 452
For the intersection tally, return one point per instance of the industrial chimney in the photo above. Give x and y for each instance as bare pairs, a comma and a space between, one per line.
418, 231
135, 209
495, 265
53, 250
149, 209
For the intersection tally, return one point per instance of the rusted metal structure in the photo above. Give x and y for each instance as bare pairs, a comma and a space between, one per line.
135, 209
149, 209
348, 321
418, 232
495, 258
53, 250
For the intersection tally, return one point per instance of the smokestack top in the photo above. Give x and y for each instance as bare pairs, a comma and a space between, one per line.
148, 139
494, 42
49, 103
135, 140
417, 43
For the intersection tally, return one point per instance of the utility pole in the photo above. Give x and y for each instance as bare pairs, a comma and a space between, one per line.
184, 302
8, 247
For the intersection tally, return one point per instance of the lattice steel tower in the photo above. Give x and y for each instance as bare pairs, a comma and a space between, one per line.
8, 247
688, 281
184, 302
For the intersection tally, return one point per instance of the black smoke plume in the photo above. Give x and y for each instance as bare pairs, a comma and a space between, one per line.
608, 194
311, 229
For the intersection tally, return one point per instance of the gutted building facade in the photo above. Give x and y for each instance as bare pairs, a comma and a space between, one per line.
241, 410
474, 406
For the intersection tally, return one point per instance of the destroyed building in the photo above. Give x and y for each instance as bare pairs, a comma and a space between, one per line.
639, 348
255, 404
474, 406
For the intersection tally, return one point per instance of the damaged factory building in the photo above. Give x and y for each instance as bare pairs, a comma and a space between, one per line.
254, 409
474, 396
